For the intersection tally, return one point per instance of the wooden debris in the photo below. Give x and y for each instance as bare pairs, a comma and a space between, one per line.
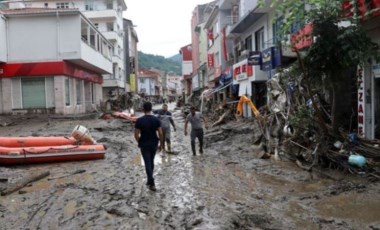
221, 119
23, 182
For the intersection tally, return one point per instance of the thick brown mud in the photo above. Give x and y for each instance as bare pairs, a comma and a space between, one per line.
225, 188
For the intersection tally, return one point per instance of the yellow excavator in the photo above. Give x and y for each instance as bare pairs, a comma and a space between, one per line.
245, 99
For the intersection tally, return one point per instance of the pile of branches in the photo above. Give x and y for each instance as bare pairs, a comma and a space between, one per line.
298, 126
221, 113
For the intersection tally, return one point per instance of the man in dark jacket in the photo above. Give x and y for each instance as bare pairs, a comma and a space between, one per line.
146, 129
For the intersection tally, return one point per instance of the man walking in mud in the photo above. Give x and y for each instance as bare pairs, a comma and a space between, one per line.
146, 129
166, 119
195, 119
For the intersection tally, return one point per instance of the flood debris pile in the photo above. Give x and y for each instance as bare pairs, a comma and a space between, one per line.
297, 125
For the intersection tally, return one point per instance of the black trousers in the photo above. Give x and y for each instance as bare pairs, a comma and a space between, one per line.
196, 133
148, 153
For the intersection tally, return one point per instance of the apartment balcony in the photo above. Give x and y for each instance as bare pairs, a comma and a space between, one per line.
91, 59
226, 4
248, 18
112, 36
65, 36
102, 14
114, 83
118, 60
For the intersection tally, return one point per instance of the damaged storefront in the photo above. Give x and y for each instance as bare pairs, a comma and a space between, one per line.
55, 87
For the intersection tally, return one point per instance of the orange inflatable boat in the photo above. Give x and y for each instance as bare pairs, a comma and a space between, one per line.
49, 154
36, 141
28, 150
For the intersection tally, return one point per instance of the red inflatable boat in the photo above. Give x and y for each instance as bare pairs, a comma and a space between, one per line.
36, 141
28, 150
49, 154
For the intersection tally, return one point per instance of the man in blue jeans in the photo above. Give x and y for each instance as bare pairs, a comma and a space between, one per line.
146, 129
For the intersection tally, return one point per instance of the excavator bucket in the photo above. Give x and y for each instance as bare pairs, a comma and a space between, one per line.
245, 99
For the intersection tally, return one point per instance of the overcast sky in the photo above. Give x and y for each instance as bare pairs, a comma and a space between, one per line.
162, 26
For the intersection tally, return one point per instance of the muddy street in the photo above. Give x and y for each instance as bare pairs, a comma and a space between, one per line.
225, 188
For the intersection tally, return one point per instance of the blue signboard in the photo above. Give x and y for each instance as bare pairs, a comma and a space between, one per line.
271, 58
254, 58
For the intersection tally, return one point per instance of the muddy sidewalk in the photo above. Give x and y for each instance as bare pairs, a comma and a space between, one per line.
225, 188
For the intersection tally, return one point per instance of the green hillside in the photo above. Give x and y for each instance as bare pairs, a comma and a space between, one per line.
171, 64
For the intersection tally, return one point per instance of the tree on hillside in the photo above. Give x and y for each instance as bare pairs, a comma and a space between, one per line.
336, 48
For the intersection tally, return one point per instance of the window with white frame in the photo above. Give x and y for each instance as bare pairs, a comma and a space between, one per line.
89, 5
109, 26
62, 5
259, 39
248, 43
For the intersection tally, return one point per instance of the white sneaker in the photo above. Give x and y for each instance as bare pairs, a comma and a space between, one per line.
162, 153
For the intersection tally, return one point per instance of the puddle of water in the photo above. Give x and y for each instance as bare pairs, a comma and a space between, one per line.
283, 186
294, 210
158, 160
354, 206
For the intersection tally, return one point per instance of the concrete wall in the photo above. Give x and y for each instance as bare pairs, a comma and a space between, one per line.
59, 93
187, 67
69, 37
50, 94
48, 40
6, 91
246, 6
16, 93
3, 39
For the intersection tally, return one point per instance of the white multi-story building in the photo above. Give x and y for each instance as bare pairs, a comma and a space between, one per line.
174, 86
149, 83
107, 17
53, 62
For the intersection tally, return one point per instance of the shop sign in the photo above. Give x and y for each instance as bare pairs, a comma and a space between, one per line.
303, 38
254, 58
132, 82
361, 108
242, 71
210, 60
271, 58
